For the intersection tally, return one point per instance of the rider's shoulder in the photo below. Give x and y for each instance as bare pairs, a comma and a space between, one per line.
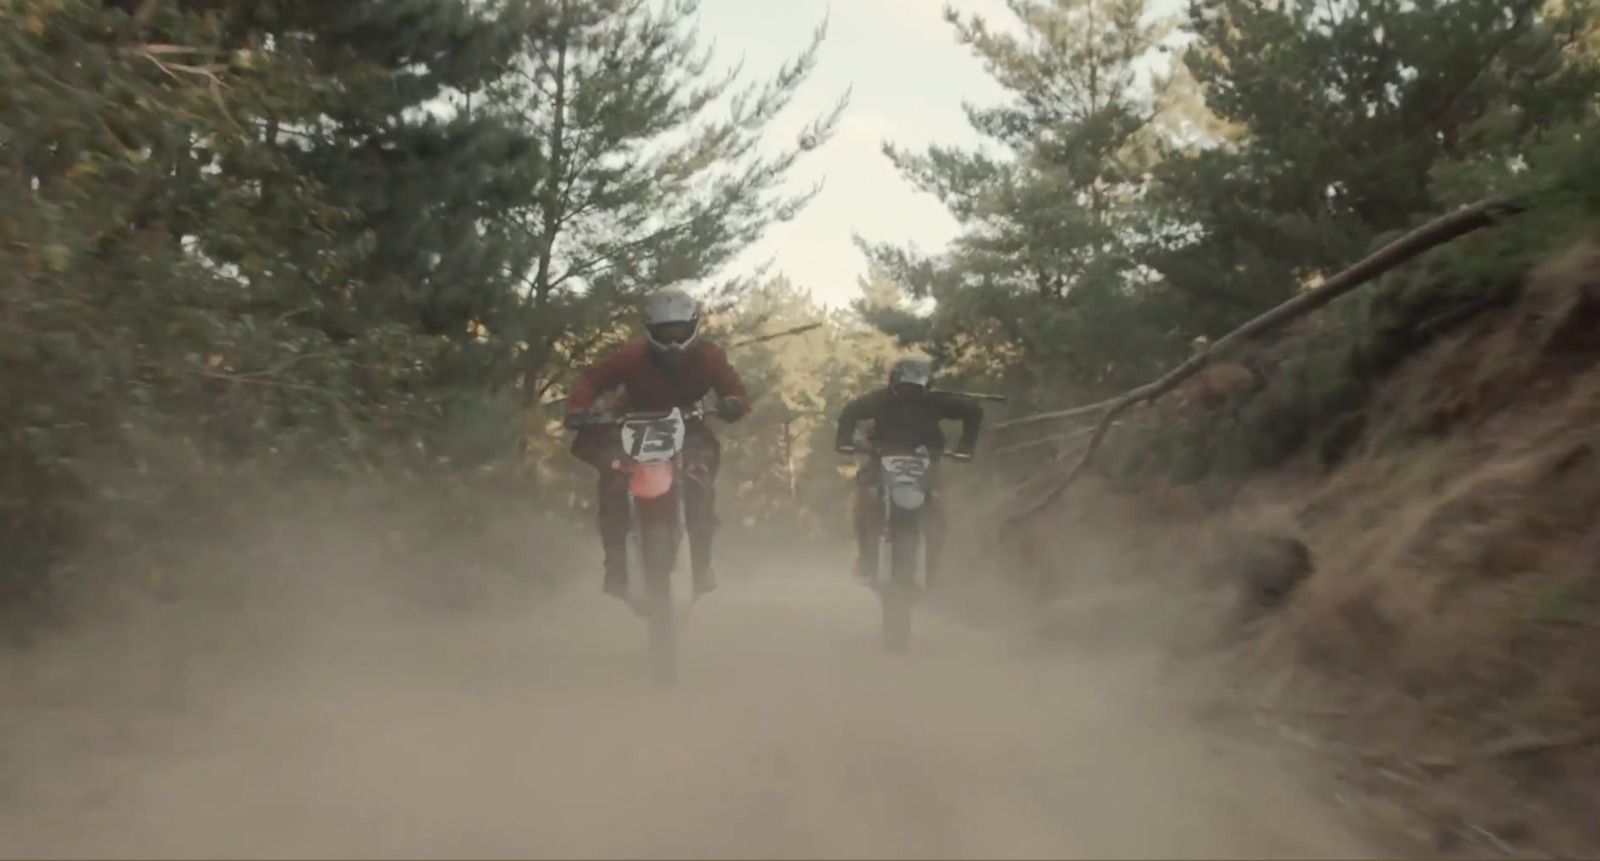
712, 351
634, 349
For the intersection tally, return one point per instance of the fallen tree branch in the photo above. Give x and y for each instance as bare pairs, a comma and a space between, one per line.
797, 330
1072, 434
1428, 236
1512, 748
1074, 412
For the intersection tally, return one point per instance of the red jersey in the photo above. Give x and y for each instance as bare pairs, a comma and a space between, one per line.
647, 386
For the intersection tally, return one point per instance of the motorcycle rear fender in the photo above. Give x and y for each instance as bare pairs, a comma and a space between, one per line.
651, 480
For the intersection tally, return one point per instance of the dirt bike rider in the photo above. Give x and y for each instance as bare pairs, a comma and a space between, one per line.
905, 414
669, 366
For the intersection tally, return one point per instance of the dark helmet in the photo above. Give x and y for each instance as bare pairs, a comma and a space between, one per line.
671, 323
910, 375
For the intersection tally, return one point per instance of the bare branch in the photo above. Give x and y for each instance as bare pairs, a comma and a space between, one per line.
1430, 235
797, 330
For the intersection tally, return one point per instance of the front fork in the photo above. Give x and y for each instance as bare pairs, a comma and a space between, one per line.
637, 585
884, 575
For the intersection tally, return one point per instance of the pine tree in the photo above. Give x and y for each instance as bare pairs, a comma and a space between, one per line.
781, 458
644, 185
1349, 110
1049, 211
406, 139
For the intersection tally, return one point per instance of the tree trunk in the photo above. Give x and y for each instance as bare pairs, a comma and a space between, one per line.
541, 341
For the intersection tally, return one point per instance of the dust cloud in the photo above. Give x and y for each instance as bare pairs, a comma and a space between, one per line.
332, 719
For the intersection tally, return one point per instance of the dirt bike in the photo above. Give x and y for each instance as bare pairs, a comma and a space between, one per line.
653, 460
901, 576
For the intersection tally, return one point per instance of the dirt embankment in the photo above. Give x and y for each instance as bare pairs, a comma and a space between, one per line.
1425, 613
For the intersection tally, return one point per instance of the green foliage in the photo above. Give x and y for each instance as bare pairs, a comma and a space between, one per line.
337, 237
1119, 220
323, 237
406, 142
1044, 278
1347, 113
1319, 393
779, 463
652, 173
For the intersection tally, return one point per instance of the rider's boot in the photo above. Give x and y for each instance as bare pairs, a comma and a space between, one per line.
705, 579
701, 533
614, 535
866, 552
616, 564
616, 584
616, 575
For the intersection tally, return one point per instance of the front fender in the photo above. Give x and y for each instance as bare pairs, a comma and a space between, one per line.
908, 498
651, 480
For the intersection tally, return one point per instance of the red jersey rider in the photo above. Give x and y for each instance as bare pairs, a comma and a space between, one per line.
670, 366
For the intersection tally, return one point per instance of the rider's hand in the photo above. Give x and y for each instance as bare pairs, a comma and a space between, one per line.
845, 449
575, 420
730, 409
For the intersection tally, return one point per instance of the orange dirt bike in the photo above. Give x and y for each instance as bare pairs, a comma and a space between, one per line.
652, 457
902, 573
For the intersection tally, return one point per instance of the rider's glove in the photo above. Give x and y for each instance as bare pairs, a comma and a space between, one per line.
730, 409
575, 420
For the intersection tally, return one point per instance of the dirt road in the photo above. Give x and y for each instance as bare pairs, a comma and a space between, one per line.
792, 735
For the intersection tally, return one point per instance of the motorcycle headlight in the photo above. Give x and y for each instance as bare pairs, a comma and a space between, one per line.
908, 497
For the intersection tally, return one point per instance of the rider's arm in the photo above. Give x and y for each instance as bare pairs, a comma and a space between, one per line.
853, 414
597, 379
970, 413
725, 381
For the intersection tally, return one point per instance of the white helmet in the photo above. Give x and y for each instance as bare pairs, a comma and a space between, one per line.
671, 321
910, 375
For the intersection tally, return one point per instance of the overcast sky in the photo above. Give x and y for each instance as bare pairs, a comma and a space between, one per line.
908, 77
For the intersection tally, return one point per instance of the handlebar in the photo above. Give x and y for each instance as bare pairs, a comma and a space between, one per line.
593, 420
957, 456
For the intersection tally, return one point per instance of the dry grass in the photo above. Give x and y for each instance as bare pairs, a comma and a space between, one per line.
1453, 613
1449, 636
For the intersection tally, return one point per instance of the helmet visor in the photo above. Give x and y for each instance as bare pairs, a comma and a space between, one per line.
674, 334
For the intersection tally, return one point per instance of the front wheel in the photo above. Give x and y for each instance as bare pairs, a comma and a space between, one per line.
660, 552
899, 594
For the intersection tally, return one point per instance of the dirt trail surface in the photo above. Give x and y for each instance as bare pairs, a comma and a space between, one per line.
792, 735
